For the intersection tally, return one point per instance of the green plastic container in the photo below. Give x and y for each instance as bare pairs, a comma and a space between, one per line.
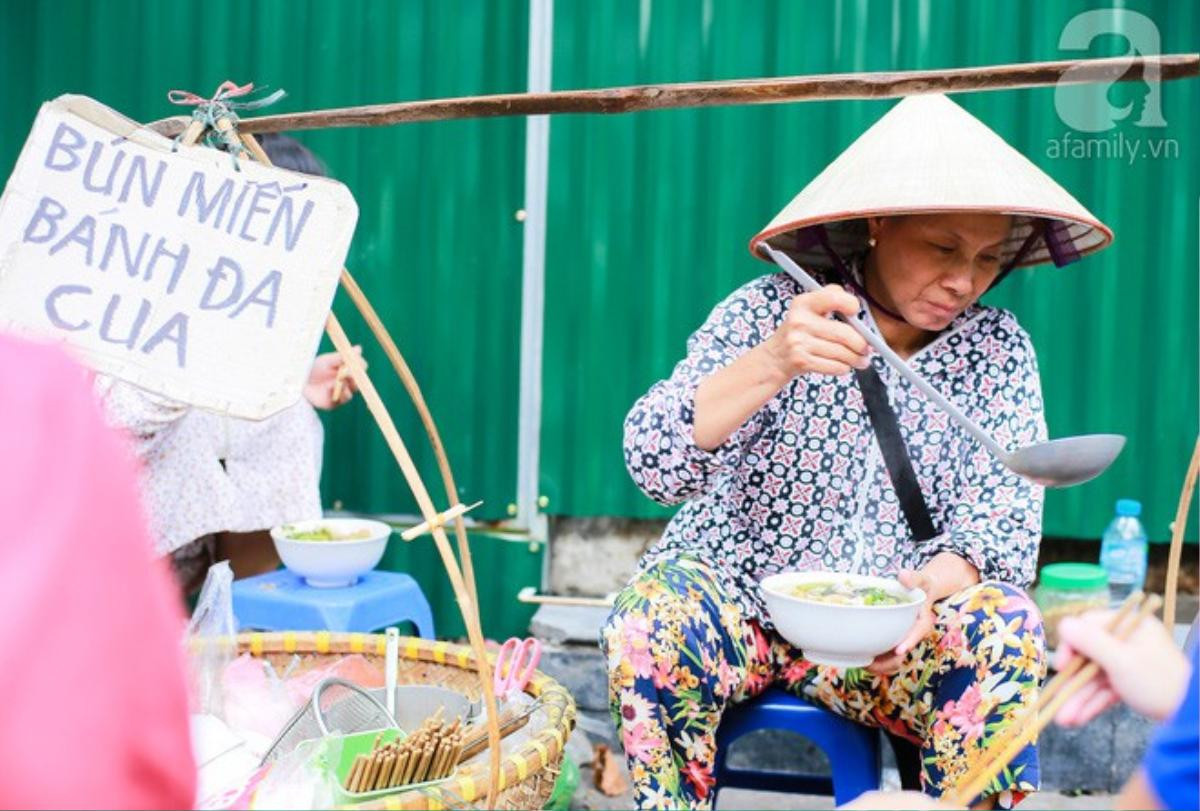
1065, 589
340, 752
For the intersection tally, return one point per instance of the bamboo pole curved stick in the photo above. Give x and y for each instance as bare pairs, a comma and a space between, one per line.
414, 391
1177, 530
466, 605
404, 372
462, 581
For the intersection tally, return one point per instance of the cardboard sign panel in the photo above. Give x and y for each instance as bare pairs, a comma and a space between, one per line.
167, 266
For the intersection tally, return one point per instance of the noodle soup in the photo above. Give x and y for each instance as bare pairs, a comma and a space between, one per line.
840, 619
844, 592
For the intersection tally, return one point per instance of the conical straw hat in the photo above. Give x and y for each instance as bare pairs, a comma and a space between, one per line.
927, 155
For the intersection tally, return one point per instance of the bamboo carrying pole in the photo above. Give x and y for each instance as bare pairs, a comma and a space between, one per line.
1177, 530
878, 85
457, 511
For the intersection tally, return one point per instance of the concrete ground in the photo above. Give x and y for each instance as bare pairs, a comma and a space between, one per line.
587, 797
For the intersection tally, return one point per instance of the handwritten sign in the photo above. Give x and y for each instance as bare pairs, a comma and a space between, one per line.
167, 266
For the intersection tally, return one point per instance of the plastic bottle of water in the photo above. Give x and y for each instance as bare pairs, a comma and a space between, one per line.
1123, 550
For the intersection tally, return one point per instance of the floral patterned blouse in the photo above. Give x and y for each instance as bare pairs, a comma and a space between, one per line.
802, 484
203, 473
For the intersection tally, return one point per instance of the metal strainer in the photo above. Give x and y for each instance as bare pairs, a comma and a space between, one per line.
337, 707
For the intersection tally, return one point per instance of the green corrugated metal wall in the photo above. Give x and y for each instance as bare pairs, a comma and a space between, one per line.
650, 215
437, 248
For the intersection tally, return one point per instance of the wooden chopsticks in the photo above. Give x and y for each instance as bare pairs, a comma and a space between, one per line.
475, 738
430, 753
1026, 727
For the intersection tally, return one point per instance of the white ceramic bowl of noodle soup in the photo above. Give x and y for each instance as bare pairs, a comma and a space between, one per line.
332, 563
834, 634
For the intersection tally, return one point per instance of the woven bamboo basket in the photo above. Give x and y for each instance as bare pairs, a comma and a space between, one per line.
527, 774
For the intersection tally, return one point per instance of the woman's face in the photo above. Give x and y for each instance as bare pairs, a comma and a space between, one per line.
931, 267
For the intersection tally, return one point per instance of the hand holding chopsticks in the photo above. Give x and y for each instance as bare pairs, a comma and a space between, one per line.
329, 382
1147, 672
1024, 729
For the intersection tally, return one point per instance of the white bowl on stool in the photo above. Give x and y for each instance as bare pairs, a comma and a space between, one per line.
839, 635
332, 564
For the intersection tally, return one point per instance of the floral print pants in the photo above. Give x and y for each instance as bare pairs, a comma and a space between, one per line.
679, 650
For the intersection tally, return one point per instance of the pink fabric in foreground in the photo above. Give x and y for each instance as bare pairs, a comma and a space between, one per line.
94, 710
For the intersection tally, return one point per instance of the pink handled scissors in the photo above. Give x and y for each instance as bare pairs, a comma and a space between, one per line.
515, 663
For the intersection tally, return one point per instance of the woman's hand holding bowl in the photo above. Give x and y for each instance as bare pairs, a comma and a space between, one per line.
889, 662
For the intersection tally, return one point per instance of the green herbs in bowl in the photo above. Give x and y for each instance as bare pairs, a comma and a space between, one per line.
843, 592
323, 532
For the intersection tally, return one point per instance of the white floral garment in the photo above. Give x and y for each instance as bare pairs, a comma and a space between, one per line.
802, 484
270, 475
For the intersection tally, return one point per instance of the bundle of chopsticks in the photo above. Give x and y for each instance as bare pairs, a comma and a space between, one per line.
430, 753
1025, 728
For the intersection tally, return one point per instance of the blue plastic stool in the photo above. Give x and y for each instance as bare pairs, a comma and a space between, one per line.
853, 749
282, 601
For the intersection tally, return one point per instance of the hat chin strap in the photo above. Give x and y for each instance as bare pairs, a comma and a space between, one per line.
1040, 229
848, 278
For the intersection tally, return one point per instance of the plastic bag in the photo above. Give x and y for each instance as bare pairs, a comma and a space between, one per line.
300, 779
212, 639
256, 699
224, 761
259, 702
354, 668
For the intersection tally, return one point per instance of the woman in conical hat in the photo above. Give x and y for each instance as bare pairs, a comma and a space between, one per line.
762, 432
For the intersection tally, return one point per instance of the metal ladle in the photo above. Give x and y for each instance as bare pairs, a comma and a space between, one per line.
1057, 463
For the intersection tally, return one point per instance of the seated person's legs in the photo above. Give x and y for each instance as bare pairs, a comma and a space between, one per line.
678, 651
